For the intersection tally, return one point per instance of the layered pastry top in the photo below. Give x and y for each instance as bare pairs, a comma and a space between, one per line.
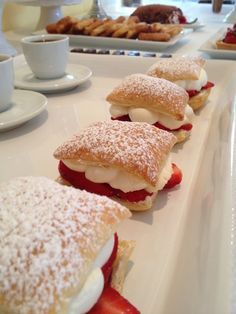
186, 72
157, 95
50, 236
137, 149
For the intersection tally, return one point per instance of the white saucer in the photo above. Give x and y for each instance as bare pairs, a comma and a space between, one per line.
75, 75
25, 106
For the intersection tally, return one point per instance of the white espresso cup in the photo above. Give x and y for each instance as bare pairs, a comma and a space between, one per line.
6, 81
46, 55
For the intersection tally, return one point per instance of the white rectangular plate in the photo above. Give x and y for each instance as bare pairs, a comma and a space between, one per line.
210, 48
181, 263
123, 43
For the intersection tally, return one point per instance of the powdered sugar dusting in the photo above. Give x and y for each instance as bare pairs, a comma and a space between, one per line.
141, 90
178, 68
138, 148
49, 235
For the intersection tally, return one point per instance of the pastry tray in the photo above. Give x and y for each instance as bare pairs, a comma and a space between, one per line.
123, 43
209, 47
182, 259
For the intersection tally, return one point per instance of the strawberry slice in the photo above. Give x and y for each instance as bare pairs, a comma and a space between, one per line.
107, 267
194, 92
175, 179
111, 302
208, 85
230, 37
186, 127
135, 196
78, 180
122, 118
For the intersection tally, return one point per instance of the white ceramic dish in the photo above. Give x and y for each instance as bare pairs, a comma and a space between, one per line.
182, 259
122, 43
25, 106
209, 47
75, 74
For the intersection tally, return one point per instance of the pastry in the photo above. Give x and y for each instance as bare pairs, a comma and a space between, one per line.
188, 73
229, 40
126, 161
58, 246
121, 27
143, 98
161, 13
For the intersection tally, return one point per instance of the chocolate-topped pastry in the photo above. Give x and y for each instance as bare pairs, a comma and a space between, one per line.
164, 14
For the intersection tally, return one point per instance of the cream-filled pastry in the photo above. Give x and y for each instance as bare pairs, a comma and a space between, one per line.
126, 161
142, 98
188, 73
58, 246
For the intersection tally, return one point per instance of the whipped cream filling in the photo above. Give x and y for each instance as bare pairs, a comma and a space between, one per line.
89, 294
151, 117
93, 287
194, 84
119, 179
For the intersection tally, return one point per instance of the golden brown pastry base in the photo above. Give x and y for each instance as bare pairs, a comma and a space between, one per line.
181, 135
137, 206
200, 99
125, 249
221, 45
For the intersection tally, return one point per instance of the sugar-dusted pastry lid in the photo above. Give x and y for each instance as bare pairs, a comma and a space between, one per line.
53, 238
143, 91
137, 148
177, 68
222, 45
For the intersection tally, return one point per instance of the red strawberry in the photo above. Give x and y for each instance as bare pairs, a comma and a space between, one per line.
182, 19
230, 37
135, 196
122, 118
111, 302
192, 92
78, 180
208, 85
175, 179
186, 127
107, 268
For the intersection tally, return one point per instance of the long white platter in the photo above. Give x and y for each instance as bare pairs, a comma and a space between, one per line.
123, 43
182, 260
